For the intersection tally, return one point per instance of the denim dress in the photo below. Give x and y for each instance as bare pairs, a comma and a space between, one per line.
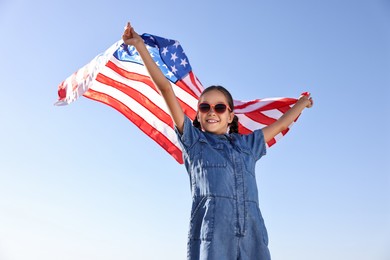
226, 222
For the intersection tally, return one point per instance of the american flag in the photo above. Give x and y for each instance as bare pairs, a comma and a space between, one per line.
119, 79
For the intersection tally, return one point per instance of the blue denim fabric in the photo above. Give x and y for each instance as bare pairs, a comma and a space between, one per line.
226, 222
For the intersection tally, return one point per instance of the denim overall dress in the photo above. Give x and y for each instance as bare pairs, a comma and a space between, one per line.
226, 222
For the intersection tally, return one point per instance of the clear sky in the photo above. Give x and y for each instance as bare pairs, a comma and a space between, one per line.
81, 182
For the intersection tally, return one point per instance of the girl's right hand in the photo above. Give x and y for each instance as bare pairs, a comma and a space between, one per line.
130, 37
306, 97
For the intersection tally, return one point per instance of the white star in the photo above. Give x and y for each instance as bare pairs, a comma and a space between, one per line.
173, 57
174, 70
165, 50
133, 51
170, 74
183, 62
157, 64
176, 44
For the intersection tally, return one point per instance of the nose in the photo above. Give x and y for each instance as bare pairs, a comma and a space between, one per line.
211, 111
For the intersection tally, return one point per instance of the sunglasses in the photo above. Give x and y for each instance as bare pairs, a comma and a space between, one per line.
218, 108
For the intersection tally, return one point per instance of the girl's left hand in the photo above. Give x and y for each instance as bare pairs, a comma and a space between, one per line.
130, 37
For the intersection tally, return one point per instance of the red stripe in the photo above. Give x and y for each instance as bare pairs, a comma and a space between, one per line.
191, 113
62, 91
260, 118
195, 81
149, 130
274, 104
246, 104
284, 109
132, 75
75, 83
271, 142
186, 88
242, 129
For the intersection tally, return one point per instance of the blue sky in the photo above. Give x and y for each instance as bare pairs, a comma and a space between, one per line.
81, 182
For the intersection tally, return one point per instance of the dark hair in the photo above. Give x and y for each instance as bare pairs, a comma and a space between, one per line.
233, 126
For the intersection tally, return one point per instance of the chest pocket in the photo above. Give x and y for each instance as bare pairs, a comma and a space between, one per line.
247, 159
213, 155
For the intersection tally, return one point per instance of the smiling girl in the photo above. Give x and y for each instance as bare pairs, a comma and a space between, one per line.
226, 222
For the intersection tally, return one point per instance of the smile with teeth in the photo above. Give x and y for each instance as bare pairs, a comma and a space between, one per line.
212, 121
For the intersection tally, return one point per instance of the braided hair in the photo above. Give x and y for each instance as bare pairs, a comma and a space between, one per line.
233, 126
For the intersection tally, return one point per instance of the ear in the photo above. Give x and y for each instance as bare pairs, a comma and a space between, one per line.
231, 117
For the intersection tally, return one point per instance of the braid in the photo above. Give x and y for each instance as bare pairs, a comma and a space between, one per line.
233, 126
196, 123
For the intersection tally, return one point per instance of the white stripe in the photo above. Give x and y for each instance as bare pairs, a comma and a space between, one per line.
130, 66
250, 108
185, 97
249, 123
194, 88
274, 113
278, 136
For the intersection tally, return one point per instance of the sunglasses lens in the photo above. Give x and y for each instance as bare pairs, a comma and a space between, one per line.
204, 107
220, 108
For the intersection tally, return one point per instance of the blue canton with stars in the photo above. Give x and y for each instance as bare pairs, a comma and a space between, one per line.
168, 55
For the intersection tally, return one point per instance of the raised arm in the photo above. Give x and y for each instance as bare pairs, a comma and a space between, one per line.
130, 37
284, 121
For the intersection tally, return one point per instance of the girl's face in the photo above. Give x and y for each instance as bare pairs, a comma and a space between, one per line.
212, 121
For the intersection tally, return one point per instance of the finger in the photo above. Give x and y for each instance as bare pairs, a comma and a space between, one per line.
127, 28
132, 31
311, 102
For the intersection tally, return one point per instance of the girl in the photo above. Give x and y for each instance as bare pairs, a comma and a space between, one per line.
226, 222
